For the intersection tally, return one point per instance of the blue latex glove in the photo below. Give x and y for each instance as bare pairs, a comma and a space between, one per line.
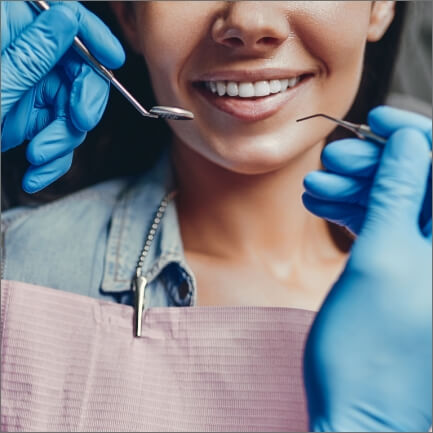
340, 193
368, 357
48, 94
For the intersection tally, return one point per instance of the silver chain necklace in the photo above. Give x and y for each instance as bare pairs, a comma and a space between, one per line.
139, 282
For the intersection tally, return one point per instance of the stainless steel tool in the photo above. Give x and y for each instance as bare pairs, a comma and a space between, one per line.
360, 130
156, 112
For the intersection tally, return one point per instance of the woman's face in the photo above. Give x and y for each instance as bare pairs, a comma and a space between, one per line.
249, 69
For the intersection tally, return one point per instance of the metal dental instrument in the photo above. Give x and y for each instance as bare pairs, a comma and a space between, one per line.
156, 112
361, 131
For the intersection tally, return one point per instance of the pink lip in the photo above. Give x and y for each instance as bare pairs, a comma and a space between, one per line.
252, 109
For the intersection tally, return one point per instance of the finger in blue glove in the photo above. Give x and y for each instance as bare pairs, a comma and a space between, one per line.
38, 177
385, 120
367, 364
34, 53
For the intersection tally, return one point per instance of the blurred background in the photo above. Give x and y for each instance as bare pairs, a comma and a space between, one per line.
412, 82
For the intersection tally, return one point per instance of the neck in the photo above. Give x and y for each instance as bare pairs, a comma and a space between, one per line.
248, 217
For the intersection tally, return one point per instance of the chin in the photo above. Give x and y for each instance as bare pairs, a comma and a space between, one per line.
254, 150
259, 156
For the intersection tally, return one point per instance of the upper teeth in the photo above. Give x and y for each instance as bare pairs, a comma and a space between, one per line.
249, 89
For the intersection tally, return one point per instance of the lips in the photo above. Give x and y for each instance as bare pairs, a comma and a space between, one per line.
253, 75
251, 108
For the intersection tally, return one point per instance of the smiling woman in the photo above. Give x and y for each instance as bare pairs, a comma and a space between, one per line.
103, 158
235, 49
222, 212
315, 44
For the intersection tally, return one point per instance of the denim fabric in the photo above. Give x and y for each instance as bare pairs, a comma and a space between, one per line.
89, 242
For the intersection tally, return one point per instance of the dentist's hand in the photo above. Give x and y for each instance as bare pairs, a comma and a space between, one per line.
340, 193
368, 357
49, 95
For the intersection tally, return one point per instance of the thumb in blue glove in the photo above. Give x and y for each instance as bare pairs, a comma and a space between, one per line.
367, 364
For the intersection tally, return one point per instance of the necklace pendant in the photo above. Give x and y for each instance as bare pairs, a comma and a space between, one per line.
139, 285
139, 282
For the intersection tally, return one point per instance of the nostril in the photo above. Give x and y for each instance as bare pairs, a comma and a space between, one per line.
233, 42
264, 42
268, 40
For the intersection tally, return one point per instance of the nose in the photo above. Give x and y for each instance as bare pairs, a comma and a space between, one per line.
252, 27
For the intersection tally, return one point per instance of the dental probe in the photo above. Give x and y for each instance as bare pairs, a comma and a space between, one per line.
156, 112
361, 131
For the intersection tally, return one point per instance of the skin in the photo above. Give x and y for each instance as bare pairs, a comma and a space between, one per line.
247, 236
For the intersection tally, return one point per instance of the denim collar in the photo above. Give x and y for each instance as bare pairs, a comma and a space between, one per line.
131, 221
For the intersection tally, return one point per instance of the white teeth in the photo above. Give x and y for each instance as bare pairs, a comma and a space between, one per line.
232, 88
275, 86
221, 88
261, 88
246, 90
293, 81
284, 84
250, 90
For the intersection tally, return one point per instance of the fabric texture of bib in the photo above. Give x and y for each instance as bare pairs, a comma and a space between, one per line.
72, 363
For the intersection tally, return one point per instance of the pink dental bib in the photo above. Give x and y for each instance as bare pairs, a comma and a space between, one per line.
72, 363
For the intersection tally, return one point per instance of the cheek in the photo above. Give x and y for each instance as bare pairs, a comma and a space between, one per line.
332, 31
171, 32
335, 34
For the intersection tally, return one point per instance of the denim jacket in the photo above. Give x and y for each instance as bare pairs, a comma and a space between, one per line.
89, 242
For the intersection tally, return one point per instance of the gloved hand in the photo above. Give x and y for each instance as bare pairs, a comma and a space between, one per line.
340, 193
49, 95
368, 357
